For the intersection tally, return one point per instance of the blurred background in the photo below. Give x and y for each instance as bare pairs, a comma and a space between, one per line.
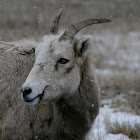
116, 51
32, 18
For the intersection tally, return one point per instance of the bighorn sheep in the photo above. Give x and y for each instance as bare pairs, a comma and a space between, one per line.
61, 85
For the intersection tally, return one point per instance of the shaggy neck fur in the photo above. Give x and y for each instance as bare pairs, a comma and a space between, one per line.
78, 111
66, 119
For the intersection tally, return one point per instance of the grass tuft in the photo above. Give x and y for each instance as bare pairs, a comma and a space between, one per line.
133, 132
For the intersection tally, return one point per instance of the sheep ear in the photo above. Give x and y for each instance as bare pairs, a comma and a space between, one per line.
84, 44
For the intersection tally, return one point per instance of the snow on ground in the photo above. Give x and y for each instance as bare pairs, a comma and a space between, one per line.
98, 132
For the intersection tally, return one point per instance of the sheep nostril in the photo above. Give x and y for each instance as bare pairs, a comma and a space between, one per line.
26, 91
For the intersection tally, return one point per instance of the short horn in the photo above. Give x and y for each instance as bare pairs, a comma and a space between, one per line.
55, 24
76, 27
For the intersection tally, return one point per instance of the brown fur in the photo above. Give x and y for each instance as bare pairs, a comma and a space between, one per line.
65, 119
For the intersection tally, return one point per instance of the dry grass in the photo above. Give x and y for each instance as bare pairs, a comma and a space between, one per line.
32, 18
119, 82
123, 90
125, 103
126, 129
134, 102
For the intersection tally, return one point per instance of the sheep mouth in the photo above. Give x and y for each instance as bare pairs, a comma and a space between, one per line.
35, 100
29, 100
40, 97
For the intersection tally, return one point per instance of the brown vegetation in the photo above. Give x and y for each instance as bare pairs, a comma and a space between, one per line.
23, 19
126, 129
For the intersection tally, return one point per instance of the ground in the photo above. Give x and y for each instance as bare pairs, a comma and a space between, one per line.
117, 62
116, 53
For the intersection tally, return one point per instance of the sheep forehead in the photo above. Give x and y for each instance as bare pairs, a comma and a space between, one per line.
52, 47
62, 48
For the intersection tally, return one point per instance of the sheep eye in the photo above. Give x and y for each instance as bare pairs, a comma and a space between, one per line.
63, 61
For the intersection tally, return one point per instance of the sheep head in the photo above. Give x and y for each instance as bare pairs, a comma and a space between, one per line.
57, 69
